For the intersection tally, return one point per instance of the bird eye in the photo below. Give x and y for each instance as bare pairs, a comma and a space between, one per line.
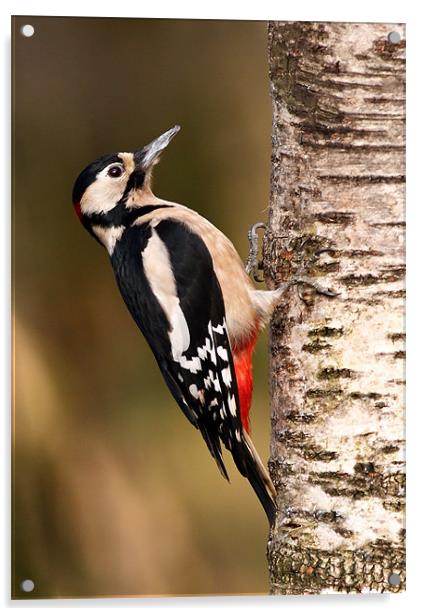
115, 171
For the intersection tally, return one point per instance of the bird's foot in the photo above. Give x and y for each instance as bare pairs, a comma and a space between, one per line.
308, 282
253, 266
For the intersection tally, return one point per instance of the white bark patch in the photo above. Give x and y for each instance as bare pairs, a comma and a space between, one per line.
367, 518
370, 521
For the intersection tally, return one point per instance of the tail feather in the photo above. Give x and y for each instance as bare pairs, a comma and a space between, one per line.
266, 500
213, 443
250, 465
259, 478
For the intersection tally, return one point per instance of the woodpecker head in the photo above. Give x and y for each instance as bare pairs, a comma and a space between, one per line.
111, 190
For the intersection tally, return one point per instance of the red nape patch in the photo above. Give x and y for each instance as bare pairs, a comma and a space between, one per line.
77, 208
243, 364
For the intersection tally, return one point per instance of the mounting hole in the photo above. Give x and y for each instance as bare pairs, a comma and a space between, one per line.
27, 30
27, 585
394, 37
394, 579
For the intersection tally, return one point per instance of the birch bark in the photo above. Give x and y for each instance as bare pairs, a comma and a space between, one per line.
337, 373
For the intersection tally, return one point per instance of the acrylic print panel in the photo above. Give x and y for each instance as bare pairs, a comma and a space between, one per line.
115, 492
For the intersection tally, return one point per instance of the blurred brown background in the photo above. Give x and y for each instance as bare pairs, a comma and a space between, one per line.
114, 492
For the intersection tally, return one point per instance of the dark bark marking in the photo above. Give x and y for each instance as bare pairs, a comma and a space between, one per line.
335, 218
336, 130
396, 336
300, 417
366, 481
363, 179
360, 280
394, 355
380, 405
342, 145
315, 347
390, 449
326, 332
395, 223
354, 254
323, 393
391, 274
366, 300
330, 373
304, 446
399, 293
359, 395
385, 99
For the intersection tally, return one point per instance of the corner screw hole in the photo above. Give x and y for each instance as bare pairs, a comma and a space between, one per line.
27, 30
394, 579
27, 585
394, 37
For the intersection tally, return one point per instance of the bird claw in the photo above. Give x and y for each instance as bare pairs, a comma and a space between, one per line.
316, 286
253, 266
309, 283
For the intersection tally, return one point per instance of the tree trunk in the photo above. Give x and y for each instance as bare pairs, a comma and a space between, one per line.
337, 384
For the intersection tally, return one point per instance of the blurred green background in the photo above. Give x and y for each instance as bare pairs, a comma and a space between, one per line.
114, 492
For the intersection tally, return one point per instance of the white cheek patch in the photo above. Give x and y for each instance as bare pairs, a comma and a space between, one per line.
103, 195
105, 192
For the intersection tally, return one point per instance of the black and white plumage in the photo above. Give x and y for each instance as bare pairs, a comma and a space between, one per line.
168, 279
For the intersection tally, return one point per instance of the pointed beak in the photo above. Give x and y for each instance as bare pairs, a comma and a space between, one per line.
149, 154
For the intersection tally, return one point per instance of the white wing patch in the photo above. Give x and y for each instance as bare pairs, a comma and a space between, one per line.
193, 390
223, 353
193, 365
226, 376
209, 378
232, 405
160, 276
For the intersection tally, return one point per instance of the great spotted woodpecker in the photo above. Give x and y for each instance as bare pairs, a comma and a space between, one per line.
186, 288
